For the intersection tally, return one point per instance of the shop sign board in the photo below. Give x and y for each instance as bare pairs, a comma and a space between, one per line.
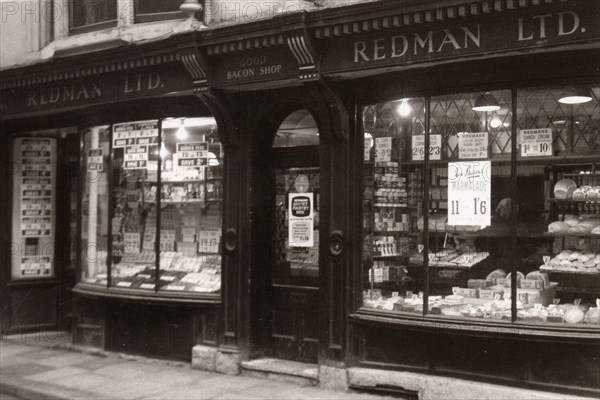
403, 44
94, 89
418, 147
536, 142
473, 145
301, 220
268, 64
469, 193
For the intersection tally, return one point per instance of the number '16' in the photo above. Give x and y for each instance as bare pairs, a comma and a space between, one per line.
479, 207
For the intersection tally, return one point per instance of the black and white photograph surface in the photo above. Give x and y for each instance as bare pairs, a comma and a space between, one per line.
300, 199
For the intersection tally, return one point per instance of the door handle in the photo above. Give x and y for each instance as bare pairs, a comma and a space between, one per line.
336, 243
231, 240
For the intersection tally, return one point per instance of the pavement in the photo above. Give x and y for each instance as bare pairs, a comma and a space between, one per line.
33, 371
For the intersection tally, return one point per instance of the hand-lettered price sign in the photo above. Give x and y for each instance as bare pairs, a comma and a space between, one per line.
95, 160
536, 142
418, 147
192, 154
472, 145
383, 149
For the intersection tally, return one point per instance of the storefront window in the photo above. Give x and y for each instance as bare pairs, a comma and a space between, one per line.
469, 242
191, 206
94, 218
461, 227
559, 203
166, 206
393, 205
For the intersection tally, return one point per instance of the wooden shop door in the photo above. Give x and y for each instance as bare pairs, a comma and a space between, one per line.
295, 258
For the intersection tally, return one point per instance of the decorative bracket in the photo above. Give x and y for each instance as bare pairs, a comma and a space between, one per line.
303, 47
194, 62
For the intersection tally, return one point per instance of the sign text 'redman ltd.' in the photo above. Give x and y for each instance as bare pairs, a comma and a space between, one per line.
531, 27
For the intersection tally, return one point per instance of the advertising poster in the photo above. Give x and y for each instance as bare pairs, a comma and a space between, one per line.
469, 193
301, 220
33, 202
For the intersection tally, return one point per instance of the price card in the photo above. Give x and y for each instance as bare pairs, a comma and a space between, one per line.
472, 145
469, 193
536, 142
208, 241
301, 220
383, 149
418, 147
192, 154
95, 160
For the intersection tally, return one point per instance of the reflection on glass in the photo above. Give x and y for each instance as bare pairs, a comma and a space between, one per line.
94, 232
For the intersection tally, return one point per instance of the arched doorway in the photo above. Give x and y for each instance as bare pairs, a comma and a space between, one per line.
294, 266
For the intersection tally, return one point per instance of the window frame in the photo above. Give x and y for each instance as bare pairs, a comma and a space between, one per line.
140, 17
158, 293
76, 30
513, 161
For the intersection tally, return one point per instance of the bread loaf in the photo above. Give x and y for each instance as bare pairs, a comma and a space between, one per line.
564, 189
558, 227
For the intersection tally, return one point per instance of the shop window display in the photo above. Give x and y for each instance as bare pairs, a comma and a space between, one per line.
463, 229
393, 205
165, 225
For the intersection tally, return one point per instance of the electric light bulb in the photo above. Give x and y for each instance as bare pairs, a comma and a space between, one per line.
182, 133
163, 150
495, 123
404, 109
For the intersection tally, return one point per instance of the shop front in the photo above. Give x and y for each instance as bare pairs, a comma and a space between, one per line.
414, 192
114, 198
455, 197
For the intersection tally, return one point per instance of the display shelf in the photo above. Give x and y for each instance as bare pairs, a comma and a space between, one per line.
178, 202
384, 233
590, 175
569, 272
380, 257
574, 201
566, 235
163, 181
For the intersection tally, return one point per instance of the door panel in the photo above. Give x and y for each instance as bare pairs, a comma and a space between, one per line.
295, 270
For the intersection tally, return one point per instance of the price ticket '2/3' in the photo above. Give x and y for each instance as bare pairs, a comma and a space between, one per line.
469, 193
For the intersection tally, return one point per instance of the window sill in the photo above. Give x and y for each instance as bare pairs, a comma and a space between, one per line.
496, 328
90, 290
78, 43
